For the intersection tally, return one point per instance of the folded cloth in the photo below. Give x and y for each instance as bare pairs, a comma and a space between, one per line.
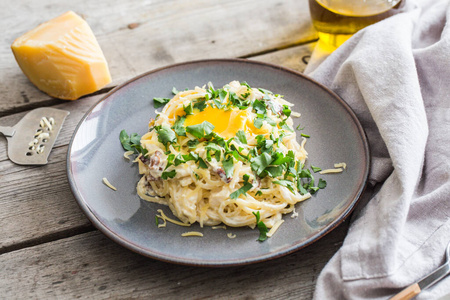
396, 76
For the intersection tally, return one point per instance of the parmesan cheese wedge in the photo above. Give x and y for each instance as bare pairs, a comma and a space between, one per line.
62, 58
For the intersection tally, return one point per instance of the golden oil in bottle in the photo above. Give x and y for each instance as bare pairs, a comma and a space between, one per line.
338, 20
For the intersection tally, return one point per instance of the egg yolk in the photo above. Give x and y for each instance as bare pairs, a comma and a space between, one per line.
226, 122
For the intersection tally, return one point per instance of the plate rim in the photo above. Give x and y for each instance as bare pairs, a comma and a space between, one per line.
228, 263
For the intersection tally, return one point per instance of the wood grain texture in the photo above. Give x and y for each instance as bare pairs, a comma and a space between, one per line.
295, 58
408, 293
36, 202
163, 32
90, 266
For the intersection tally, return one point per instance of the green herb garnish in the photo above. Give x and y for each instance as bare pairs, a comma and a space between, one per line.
202, 164
258, 164
178, 126
131, 142
286, 110
316, 169
259, 107
179, 159
244, 189
241, 137
275, 171
322, 183
285, 183
261, 226
200, 105
228, 167
192, 144
200, 130
166, 175
189, 110
158, 102
258, 123
298, 127
285, 126
165, 135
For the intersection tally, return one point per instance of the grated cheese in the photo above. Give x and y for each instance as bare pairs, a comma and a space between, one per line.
47, 123
108, 184
192, 233
127, 154
164, 224
331, 171
294, 214
43, 135
38, 132
231, 236
274, 228
341, 165
40, 149
219, 227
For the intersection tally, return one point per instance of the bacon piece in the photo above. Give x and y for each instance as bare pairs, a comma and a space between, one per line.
222, 175
155, 164
145, 160
155, 161
274, 106
149, 177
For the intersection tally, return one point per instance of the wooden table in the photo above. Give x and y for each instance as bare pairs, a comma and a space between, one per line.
48, 248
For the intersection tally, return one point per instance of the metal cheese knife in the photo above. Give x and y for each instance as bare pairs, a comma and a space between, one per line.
415, 288
32, 138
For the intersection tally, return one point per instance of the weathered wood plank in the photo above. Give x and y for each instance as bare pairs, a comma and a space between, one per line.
213, 29
295, 58
91, 266
36, 202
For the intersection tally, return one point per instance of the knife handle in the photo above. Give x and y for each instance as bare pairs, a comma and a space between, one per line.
408, 293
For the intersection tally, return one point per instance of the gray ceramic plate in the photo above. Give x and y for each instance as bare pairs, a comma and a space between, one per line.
95, 152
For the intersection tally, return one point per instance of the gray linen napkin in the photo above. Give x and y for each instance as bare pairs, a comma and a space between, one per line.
396, 76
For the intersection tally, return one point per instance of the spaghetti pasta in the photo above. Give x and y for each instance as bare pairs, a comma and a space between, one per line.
218, 155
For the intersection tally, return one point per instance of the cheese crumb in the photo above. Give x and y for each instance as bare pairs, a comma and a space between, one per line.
192, 233
341, 165
274, 228
219, 227
127, 154
231, 236
108, 184
331, 171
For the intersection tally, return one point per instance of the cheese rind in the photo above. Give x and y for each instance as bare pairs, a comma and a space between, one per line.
62, 58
